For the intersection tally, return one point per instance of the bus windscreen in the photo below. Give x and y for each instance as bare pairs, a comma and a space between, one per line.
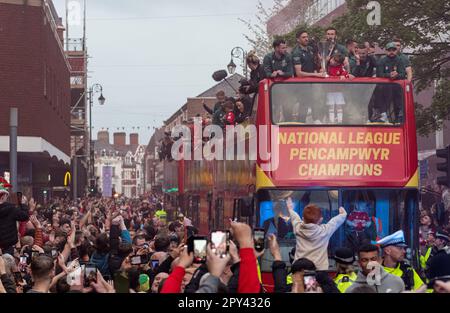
337, 103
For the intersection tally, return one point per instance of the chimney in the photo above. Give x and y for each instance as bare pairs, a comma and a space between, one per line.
134, 139
120, 139
103, 136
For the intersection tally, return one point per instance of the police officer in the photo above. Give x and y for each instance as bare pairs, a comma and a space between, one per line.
345, 273
440, 245
394, 260
279, 62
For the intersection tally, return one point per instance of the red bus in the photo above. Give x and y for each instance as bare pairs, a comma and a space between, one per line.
349, 143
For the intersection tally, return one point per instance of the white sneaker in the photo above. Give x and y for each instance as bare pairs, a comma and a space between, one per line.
384, 117
317, 122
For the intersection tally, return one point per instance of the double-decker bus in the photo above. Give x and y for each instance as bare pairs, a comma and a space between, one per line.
349, 143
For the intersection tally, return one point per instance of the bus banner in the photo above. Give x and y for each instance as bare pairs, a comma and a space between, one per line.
327, 154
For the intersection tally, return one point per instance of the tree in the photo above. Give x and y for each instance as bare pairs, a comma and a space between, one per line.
259, 39
424, 27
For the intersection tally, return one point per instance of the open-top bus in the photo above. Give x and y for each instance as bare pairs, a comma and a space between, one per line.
349, 143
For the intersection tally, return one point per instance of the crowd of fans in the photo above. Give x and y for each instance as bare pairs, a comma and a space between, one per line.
99, 245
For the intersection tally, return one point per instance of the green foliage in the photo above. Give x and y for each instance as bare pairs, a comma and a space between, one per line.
424, 27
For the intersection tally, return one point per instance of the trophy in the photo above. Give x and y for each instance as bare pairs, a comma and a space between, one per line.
326, 48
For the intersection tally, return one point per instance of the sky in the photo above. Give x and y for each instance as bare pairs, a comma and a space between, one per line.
151, 55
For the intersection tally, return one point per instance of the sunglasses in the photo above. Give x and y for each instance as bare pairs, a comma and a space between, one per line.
392, 49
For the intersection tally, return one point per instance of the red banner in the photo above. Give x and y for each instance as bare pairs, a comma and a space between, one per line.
338, 155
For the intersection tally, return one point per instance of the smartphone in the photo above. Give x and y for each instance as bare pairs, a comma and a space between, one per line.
259, 236
136, 260
23, 260
34, 254
310, 281
140, 259
220, 242
54, 253
155, 264
90, 275
198, 244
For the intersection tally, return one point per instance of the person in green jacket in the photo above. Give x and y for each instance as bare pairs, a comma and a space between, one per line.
279, 62
392, 67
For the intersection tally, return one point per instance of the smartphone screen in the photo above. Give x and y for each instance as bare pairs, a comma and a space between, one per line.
23, 260
200, 250
155, 264
220, 242
310, 281
136, 260
90, 275
259, 236
54, 253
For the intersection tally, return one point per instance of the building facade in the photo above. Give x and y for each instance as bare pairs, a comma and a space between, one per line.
35, 79
119, 167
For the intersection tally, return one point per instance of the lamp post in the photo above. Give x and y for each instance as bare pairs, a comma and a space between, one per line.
96, 88
241, 54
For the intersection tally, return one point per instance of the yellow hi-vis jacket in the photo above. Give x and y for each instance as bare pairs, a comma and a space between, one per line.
343, 281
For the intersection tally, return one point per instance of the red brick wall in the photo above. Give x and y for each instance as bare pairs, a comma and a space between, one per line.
28, 49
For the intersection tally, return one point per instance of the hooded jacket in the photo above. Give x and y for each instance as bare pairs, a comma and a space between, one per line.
312, 239
9, 215
388, 283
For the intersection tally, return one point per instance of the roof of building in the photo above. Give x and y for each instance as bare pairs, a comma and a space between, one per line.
154, 140
109, 148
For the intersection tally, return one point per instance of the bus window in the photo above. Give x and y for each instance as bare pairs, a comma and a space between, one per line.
336, 103
374, 214
273, 214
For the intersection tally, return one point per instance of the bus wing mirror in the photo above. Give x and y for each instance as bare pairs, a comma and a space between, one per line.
218, 76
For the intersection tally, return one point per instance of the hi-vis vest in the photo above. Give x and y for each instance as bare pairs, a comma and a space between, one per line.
416, 281
343, 281
161, 214
424, 258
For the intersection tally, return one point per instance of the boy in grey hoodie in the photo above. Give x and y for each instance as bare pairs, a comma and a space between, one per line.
313, 236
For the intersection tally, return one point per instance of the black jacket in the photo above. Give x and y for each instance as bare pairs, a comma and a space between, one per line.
8, 284
9, 215
255, 77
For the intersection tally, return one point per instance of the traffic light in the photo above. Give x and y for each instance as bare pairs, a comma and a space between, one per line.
444, 167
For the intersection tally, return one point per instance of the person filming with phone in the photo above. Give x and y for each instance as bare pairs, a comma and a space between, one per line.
10, 214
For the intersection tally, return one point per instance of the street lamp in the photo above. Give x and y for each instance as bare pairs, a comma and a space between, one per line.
231, 67
241, 54
96, 88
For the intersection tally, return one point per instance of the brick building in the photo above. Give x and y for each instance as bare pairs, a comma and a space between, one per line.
35, 78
